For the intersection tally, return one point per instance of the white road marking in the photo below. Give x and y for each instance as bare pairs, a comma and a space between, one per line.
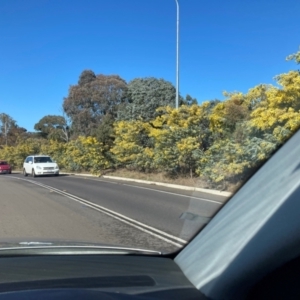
159, 191
141, 226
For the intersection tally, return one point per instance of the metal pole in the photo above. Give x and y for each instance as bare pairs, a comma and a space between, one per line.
177, 57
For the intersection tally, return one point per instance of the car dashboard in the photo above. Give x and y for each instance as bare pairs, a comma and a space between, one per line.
94, 277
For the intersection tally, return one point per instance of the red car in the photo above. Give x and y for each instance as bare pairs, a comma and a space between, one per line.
5, 168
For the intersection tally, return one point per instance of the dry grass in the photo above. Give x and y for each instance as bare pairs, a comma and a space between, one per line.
159, 177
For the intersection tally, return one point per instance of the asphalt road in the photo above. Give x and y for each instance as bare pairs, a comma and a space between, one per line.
103, 211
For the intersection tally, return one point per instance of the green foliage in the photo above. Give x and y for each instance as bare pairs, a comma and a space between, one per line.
82, 154
87, 76
180, 137
221, 142
16, 155
85, 154
145, 95
104, 132
279, 114
174, 141
132, 146
57, 150
9, 130
295, 57
92, 99
53, 127
229, 160
189, 101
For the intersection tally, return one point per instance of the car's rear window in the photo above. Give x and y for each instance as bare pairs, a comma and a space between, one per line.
3, 163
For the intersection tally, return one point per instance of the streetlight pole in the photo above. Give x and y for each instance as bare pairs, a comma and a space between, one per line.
177, 56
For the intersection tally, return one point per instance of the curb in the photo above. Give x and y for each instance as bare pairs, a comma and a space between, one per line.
170, 185
75, 174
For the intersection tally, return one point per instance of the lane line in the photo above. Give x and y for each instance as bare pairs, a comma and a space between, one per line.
159, 191
141, 226
112, 212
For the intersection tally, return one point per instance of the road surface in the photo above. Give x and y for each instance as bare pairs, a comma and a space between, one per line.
95, 210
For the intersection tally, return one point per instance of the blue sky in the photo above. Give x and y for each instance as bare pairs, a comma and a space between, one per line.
224, 45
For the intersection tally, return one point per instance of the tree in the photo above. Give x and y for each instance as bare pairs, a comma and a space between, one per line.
145, 95
93, 98
130, 147
17, 153
85, 77
15, 134
53, 127
295, 57
227, 115
104, 132
180, 137
7, 123
189, 100
279, 114
85, 154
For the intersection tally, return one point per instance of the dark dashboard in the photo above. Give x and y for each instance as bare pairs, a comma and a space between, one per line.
93, 277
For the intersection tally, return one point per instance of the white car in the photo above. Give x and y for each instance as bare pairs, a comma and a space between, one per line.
37, 165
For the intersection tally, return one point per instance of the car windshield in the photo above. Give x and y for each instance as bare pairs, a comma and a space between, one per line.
153, 116
3, 163
42, 159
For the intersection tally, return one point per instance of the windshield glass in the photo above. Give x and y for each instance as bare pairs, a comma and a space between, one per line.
42, 159
153, 116
3, 163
